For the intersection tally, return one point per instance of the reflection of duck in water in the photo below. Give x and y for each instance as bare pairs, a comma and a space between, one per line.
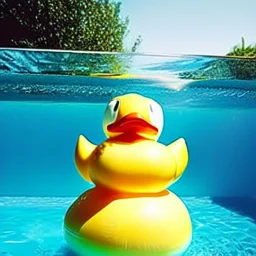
130, 212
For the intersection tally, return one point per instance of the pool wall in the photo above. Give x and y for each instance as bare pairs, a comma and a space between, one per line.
37, 142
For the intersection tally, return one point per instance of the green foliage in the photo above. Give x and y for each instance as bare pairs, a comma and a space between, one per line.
92, 25
243, 51
243, 69
86, 25
241, 65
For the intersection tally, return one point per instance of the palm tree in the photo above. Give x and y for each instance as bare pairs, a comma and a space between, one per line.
243, 51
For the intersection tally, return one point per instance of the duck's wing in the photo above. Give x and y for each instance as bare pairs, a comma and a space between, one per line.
180, 151
84, 148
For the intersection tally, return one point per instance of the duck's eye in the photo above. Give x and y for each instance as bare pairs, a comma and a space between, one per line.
156, 115
112, 111
151, 108
116, 105
113, 105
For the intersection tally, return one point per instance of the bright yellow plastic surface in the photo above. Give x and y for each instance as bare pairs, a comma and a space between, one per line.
130, 212
123, 224
144, 166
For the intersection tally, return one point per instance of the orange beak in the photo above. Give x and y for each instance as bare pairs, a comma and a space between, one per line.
134, 123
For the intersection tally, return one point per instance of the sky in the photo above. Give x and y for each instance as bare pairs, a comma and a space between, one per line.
207, 27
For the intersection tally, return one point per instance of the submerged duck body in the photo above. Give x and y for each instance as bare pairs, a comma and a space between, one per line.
130, 211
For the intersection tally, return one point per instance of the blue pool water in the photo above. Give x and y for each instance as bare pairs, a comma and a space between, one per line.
42, 112
34, 226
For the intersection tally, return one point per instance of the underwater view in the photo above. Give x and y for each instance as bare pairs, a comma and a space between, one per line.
49, 98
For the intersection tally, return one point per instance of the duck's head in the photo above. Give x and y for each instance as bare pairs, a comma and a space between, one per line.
133, 115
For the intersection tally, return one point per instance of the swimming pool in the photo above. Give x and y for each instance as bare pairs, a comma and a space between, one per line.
209, 101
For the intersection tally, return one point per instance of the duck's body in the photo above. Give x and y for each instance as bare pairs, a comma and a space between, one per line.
101, 223
129, 212
133, 167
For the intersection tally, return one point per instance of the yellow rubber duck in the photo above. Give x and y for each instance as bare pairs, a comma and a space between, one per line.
130, 212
